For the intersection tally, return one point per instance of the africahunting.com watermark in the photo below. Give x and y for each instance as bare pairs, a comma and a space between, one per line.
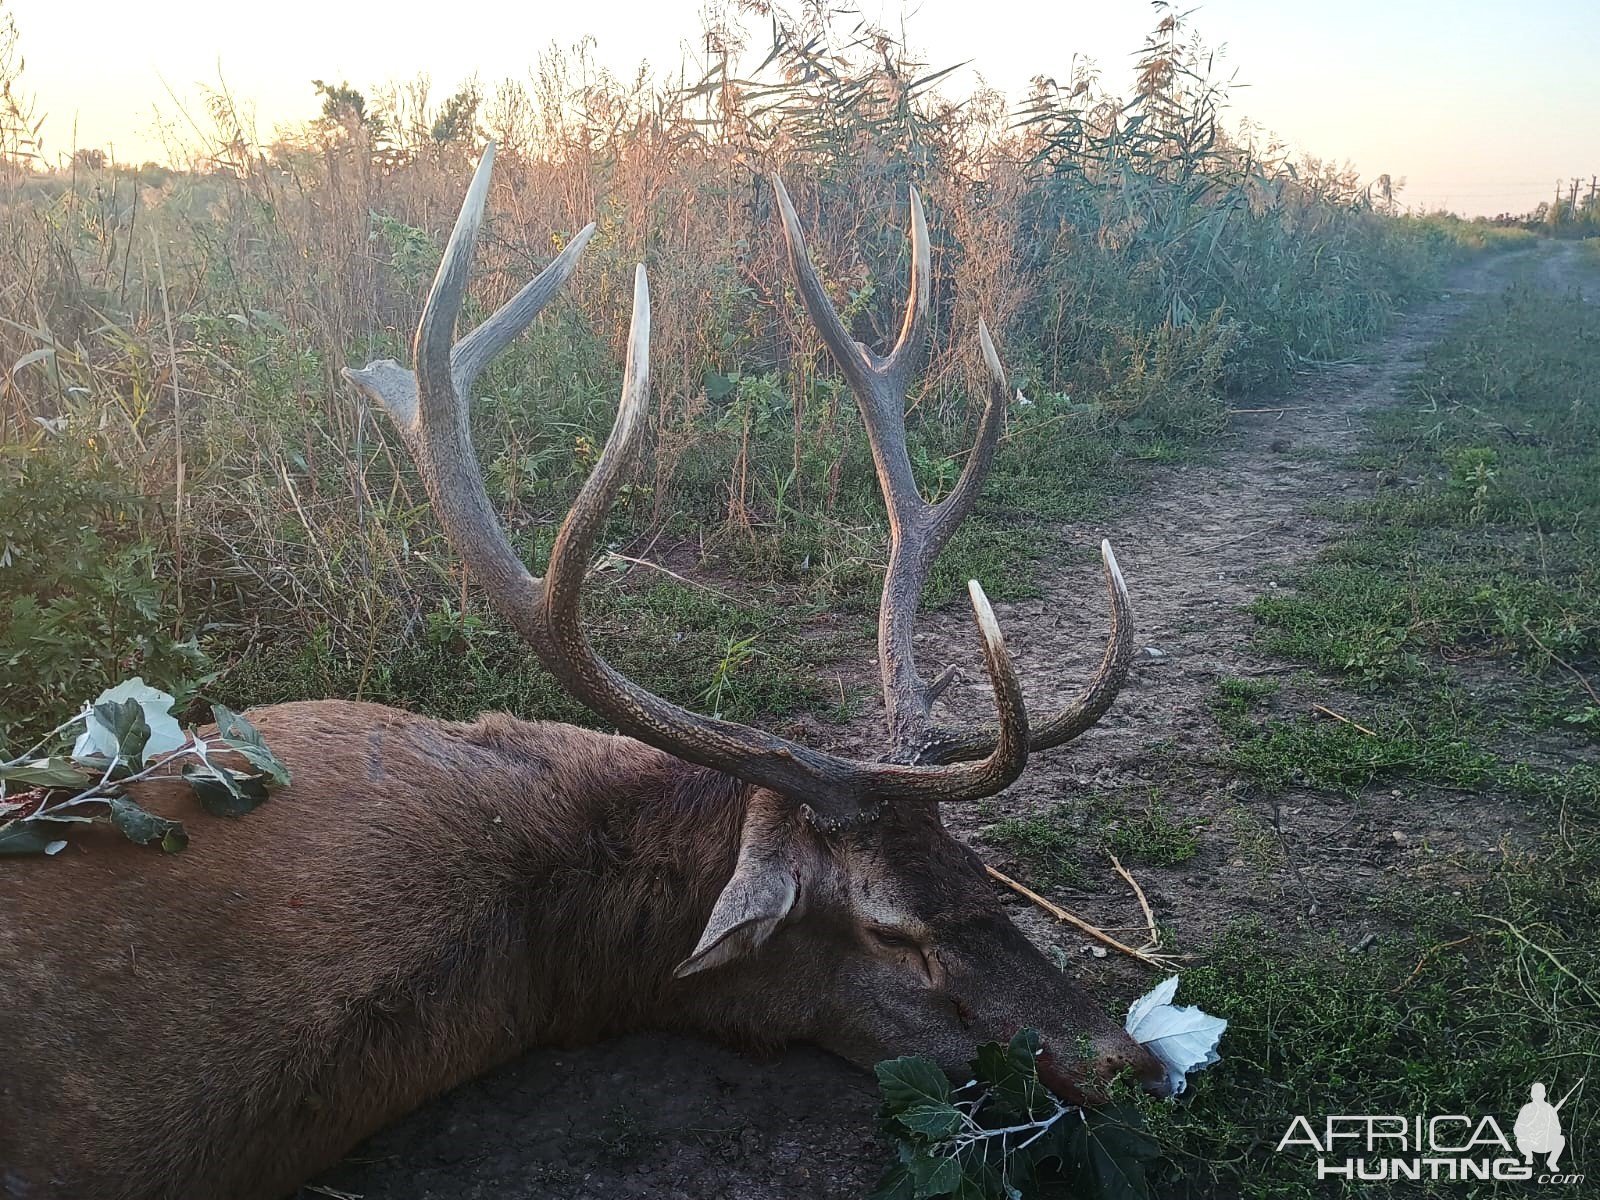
1447, 1147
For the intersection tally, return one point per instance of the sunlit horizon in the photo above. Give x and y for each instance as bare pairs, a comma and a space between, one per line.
1476, 111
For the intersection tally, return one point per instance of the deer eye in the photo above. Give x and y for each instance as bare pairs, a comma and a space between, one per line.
908, 949
894, 939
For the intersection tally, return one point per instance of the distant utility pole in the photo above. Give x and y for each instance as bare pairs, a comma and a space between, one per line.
1575, 183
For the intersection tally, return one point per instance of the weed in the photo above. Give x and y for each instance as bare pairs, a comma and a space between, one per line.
1155, 836
737, 653
1051, 843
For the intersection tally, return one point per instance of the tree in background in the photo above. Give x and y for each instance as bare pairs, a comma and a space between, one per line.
19, 131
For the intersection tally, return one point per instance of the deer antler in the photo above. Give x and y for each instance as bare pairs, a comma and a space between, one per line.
918, 531
429, 410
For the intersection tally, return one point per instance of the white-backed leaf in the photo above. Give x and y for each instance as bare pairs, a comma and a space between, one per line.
1183, 1038
98, 740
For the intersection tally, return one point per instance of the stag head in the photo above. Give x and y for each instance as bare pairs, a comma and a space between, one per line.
851, 917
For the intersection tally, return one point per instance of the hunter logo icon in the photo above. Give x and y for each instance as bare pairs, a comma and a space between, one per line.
1442, 1147
1538, 1127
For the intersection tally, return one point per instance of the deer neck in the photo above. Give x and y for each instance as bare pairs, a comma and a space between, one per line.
626, 868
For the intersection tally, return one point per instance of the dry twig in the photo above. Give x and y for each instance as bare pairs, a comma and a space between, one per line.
1161, 962
1144, 904
611, 556
1326, 711
1576, 674
1428, 954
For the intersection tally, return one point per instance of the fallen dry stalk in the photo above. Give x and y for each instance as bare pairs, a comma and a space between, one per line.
611, 556
177, 428
1576, 674
1160, 961
1427, 955
1324, 709
1144, 904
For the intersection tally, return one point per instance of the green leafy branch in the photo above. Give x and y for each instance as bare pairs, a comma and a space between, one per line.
42, 798
1003, 1133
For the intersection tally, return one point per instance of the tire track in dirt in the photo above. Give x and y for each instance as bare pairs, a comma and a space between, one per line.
672, 1117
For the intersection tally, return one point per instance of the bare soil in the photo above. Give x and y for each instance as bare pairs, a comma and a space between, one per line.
671, 1117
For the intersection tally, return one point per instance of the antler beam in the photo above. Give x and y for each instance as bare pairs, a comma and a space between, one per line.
918, 530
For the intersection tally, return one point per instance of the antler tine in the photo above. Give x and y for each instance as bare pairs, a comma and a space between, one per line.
1012, 741
836, 790
914, 546
569, 558
1084, 710
912, 344
906, 356
429, 409
850, 354
389, 384
436, 331
479, 348
953, 509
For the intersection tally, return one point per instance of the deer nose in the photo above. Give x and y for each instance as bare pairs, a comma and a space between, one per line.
1087, 1081
1146, 1067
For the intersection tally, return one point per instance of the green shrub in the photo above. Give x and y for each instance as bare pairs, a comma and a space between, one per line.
86, 600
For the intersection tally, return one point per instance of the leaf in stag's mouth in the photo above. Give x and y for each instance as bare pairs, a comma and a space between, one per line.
1184, 1038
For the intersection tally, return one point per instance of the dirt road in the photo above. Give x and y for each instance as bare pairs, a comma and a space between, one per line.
670, 1117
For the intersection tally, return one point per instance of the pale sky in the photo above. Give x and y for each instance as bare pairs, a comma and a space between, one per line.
1480, 105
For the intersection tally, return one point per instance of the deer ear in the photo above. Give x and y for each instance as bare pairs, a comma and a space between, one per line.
761, 893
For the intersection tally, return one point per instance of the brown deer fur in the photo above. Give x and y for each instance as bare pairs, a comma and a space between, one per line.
426, 901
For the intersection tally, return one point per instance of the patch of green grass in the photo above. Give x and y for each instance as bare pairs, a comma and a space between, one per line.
1056, 842
1237, 694
687, 644
1343, 617
1433, 737
1003, 558
1155, 837
1324, 753
1481, 994
1051, 843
